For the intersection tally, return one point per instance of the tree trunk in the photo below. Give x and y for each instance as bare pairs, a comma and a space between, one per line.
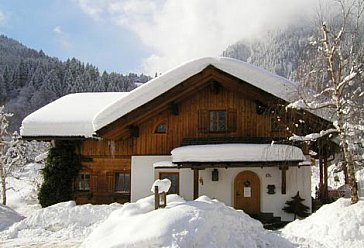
3, 185
350, 166
351, 173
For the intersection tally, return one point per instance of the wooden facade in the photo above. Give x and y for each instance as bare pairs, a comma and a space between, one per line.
183, 113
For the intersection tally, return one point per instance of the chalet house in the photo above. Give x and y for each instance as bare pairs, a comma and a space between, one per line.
213, 126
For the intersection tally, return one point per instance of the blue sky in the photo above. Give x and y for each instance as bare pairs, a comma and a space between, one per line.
61, 29
146, 36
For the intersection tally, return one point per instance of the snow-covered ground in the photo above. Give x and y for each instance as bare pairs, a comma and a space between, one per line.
22, 194
338, 224
62, 223
200, 223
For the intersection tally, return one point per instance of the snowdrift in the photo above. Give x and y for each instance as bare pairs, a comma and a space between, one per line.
8, 217
61, 221
22, 195
200, 223
338, 224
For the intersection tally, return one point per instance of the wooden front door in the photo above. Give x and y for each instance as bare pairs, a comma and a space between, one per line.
247, 192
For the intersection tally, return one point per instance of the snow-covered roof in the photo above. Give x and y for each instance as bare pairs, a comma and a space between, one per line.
83, 114
70, 115
164, 164
262, 79
237, 153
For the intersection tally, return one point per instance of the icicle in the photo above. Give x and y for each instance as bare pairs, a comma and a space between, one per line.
111, 144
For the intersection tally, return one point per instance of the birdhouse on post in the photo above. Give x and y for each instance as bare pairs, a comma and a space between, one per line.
160, 189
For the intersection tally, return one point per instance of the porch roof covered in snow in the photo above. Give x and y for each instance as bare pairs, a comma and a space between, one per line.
234, 155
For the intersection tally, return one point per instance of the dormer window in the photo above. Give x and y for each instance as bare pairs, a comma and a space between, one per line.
161, 128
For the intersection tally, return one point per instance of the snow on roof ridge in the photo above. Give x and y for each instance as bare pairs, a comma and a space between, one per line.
258, 77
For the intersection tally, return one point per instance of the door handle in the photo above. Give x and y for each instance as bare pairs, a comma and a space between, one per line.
238, 194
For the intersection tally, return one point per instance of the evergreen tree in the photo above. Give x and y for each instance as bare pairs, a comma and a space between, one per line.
62, 166
296, 206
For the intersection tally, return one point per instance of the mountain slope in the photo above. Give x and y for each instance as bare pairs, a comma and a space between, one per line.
30, 79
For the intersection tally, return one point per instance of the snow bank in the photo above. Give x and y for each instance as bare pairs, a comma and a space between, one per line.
359, 175
60, 221
338, 224
22, 195
8, 217
200, 223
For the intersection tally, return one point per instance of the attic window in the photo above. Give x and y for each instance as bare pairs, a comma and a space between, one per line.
218, 121
161, 128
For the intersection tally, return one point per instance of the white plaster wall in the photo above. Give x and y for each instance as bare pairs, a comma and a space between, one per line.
143, 176
185, 181
298, 179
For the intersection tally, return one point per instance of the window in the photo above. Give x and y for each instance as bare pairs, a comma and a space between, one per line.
218, 121
161, 128
122, 182
83, 182
174, 178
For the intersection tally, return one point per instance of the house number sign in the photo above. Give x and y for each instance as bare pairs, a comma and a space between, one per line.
247, 189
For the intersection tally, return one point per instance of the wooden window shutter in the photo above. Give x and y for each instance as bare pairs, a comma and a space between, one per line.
231, 120
110, 181
203, 120
93, 182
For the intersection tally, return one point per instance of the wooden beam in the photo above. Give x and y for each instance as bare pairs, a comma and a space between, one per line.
173, 107
134, 130
325, 193
321, 183
284, 179
215, 87
195, 183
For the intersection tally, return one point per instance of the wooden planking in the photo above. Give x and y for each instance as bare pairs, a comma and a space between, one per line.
107, 148
186, 123
191, 96
102, 171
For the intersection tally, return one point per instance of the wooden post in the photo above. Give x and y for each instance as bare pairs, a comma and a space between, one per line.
163, 196
325, 193
156, 197
284, 178
195, 183
321, 179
